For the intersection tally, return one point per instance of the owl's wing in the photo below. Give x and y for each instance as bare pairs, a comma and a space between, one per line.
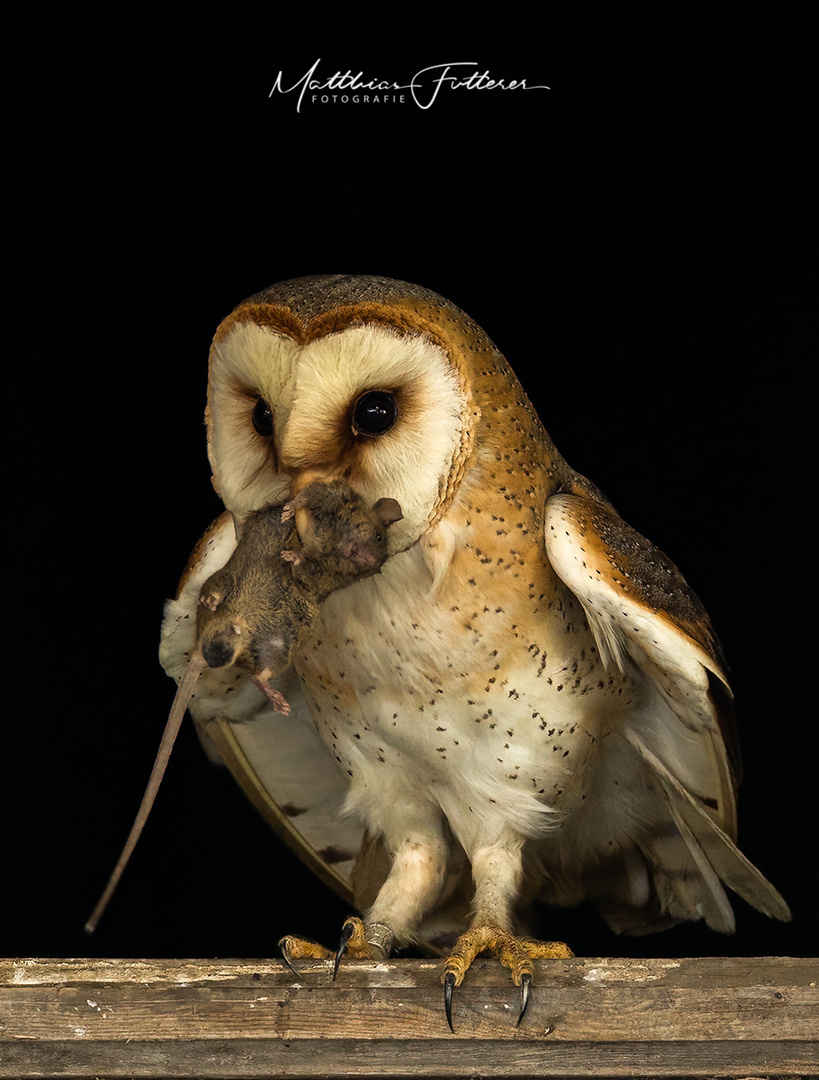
679, 738
279, 761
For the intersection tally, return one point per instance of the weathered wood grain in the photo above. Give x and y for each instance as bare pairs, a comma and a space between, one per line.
754, 1017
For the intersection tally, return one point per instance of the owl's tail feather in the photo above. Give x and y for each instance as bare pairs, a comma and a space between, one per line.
686, 882
680, 885
695, 855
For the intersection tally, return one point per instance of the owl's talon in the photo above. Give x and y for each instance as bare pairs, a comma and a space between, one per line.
449, 983
525, 992
355, 944
347, 931
291, 946
282, 945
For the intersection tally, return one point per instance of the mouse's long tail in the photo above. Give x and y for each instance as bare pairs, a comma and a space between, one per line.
180, 704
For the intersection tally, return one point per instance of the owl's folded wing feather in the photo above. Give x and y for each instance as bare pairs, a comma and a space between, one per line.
646, 619
279, 761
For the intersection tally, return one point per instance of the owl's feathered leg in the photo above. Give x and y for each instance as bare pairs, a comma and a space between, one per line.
414, 883
415, 880
497, 874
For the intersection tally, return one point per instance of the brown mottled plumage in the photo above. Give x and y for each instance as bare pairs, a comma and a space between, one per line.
529, 700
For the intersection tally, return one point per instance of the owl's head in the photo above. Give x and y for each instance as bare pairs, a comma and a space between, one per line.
354, 378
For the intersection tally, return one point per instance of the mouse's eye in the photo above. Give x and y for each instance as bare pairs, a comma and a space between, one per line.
374, 413
262, 418
379, 537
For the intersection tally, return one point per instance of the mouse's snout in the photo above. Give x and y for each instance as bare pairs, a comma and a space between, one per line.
362, 554
221, 648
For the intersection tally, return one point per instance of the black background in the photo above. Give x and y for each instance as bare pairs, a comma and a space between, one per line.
634, 239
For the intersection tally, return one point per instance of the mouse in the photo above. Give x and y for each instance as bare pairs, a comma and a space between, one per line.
257, 608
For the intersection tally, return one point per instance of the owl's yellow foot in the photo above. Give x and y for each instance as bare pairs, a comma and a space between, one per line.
297, 948
514, 953
361, 941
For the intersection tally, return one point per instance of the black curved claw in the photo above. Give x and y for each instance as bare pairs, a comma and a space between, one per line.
346, 933
449, 983
525, 992
286, 957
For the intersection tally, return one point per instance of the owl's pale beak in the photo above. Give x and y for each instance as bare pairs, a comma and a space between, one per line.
317, 474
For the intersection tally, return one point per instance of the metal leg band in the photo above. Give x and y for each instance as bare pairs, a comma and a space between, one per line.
379, 937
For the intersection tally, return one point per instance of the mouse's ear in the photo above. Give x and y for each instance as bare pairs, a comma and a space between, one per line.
388, 511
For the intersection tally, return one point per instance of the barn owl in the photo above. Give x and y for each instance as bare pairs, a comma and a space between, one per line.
527, 702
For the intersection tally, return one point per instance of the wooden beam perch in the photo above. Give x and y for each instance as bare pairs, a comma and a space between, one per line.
588, 1017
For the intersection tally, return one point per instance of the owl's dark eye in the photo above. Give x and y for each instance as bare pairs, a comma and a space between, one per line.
374, 413
262, 418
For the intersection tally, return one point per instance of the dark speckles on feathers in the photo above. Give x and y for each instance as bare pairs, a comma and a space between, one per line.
333, 854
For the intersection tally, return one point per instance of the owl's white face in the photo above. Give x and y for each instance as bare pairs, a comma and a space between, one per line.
381, 409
